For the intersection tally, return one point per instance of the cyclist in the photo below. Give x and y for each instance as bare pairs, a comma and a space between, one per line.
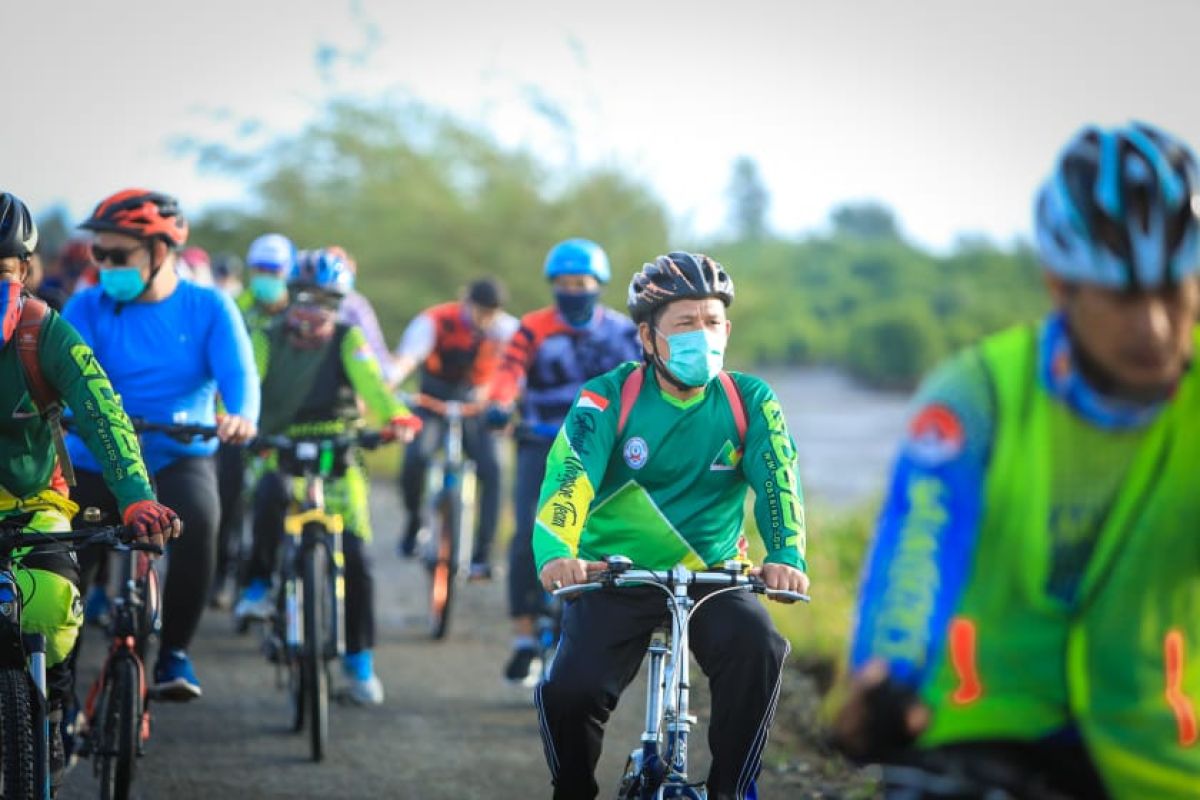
556, 349
458, 346
33, 489
1031, 605
227, 273
315, 370
668, 488
168, 346
270, 258
357, 310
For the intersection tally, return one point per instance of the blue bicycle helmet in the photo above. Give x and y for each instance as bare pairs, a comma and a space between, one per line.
321, 270
577, 257
1120, 209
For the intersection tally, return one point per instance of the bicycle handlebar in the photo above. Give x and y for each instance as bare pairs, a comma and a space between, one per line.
181, 432
117, 537
445, 408
613, 578
367, 440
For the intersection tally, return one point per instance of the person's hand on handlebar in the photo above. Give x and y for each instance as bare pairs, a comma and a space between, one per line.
235, 430
782, 576
403, 428
560, 572
152, 522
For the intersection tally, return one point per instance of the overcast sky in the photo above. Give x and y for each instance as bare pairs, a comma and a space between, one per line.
950, 111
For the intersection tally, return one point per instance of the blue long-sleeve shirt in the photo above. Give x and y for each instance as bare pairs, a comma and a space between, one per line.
167, 360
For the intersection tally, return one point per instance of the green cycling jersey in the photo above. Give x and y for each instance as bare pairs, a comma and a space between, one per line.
670, 487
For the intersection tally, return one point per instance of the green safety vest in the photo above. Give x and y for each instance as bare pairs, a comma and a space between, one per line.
1123, 661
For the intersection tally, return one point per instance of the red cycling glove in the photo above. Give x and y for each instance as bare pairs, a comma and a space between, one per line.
150, 519
402, 423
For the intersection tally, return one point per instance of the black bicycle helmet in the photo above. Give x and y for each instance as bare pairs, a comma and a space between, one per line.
18, 233
677, 276
487, 293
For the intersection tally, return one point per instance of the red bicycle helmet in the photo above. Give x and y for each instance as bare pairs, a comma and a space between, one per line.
140, 213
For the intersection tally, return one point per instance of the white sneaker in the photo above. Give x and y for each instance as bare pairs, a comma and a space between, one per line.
365, 693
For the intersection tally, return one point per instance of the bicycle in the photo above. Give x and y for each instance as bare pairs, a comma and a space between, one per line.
24, 720
308, 630
451, 493
658, 769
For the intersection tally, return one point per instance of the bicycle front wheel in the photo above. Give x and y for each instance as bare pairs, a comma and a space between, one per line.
448, 521
16, 736
120, 715
314, 677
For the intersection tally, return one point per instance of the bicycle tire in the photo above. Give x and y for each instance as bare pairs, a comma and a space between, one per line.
148, 617
17, 768
119, 729
292, 660
441, 575
315, 680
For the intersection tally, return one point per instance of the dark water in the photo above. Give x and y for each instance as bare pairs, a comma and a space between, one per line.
846, 434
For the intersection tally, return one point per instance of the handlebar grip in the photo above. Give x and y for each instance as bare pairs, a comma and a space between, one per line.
567, 592
787, 595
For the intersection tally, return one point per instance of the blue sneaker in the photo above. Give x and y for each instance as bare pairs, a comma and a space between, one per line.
255, 602
174, 678
96, 607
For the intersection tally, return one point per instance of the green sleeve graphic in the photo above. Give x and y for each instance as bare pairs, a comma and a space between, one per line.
71, 367
770, 469
574, 470
367, 378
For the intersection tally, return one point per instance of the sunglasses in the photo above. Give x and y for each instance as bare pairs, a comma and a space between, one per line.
115, 256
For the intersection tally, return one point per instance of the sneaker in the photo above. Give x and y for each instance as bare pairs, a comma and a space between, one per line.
255, 602
174, 678
480, 572
524, 668
364, 687
365, 693
407, 546
96, 607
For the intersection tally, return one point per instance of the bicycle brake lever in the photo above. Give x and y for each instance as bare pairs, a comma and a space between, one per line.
787, 596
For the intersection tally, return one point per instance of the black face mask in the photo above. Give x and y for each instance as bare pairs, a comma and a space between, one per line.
576, 308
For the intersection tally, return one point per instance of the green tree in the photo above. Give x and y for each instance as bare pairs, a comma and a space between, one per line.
748, 200
866, 220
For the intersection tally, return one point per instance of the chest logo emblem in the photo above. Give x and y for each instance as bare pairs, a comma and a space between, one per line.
636, 452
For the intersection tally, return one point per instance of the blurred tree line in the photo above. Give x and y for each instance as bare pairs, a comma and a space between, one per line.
426, 203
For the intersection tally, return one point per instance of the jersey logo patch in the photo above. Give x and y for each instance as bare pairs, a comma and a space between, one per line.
935, 435
727, 459
636, 452
593, 401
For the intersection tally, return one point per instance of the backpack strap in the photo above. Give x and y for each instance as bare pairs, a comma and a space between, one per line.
45, 397
736, 404
630, 390
633, 386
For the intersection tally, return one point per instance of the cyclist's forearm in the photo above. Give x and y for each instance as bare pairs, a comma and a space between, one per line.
367, 378
916, 570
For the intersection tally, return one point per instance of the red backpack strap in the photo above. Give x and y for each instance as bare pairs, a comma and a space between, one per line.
29, 328
630, 390
736, 404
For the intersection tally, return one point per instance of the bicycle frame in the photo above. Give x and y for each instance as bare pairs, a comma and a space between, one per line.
27, 651
309, 508
452, 473
658, 769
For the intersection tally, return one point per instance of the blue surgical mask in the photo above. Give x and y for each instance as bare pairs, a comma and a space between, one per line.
696, 356
122, 283
268, 289
576, 308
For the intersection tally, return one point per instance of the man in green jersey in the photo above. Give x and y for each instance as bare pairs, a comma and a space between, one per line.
1031, 606
663, 481
33, 489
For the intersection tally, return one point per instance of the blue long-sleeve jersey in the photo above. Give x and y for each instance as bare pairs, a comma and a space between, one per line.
167, 360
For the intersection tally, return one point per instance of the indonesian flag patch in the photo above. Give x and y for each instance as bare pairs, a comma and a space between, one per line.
592, 400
